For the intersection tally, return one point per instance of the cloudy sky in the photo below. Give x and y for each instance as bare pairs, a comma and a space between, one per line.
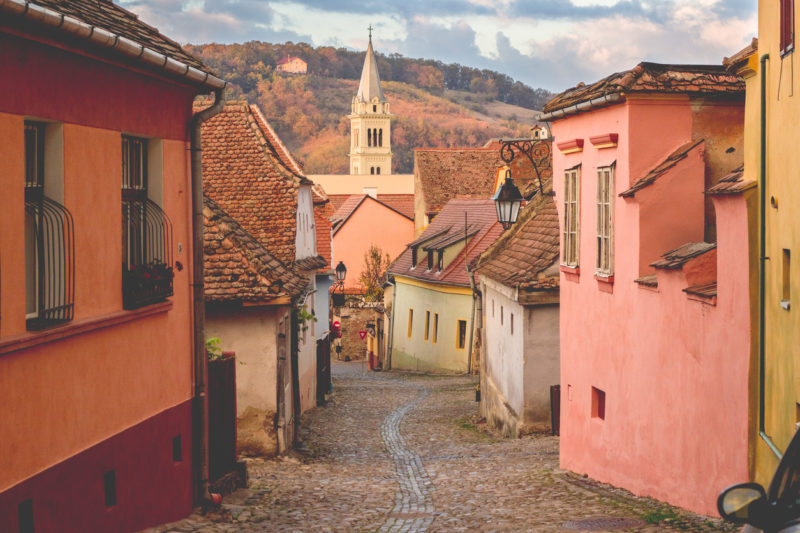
546, 43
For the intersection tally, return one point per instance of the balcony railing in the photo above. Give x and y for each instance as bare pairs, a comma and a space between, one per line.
147, 254
51, 260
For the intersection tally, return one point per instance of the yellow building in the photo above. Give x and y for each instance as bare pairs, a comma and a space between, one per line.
772, 126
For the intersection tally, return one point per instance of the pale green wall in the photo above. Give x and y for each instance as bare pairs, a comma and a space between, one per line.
416, 353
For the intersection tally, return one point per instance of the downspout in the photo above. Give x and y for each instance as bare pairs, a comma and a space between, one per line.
762, 322
471, 276
200, 399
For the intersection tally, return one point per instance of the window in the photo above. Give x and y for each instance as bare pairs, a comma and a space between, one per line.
435, 327
377, 170
380, 137
427, 324
410, 321
512, 323
598, 403
440, 260
605, 221
372, 170
461, 335
570, 245
430, 259
786, 275
374, 108
369, 137
787, 26
49, 237
146, 229
413, 257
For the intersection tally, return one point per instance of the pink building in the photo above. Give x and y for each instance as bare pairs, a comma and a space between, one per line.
655, 321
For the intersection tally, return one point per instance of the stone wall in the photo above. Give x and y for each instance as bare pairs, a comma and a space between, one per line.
354, 317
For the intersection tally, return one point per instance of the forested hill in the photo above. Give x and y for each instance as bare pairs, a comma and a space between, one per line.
435, 104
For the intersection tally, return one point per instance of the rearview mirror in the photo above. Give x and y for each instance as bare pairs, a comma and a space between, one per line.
743, 503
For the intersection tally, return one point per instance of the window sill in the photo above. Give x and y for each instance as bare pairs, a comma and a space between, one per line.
30, 340
605, 278
576, 270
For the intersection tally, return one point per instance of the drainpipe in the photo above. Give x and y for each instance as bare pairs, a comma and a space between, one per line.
390, 334
475, 300
762, 268
200, 358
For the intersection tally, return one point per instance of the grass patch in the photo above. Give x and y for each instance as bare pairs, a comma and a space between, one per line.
656, 516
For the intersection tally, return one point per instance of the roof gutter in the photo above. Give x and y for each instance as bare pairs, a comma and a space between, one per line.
577, 108
105, 39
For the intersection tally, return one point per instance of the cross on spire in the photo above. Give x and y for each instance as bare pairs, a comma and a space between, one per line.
370, 28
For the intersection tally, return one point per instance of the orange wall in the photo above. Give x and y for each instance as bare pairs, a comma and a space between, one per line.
372, 223
65, 396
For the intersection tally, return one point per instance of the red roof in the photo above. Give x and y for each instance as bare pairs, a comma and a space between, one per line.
117, 20
447, 229
653, 78
402, 203
525, 253
288, 59
441, 174
349, 206
245, 174
322, 214
238, 267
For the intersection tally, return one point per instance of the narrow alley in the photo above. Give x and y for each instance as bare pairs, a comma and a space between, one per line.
400, 452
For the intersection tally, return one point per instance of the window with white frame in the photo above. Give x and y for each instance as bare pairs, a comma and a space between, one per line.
605, 221
571, 229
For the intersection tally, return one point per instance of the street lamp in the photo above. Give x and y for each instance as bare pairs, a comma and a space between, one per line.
341, 272
508, 200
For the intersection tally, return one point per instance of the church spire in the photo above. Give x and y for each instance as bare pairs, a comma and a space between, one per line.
370, 86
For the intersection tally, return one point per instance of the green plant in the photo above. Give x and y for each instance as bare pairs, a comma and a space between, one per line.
303, 317
374, 274
213, 349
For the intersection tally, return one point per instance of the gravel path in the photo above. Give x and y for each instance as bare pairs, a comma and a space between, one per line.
405, 452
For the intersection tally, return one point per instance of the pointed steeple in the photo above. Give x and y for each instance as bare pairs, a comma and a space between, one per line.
370, 85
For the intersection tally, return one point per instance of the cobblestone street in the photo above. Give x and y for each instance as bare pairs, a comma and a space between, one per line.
405, 452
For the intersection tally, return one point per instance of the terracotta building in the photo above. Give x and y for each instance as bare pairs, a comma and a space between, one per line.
99, 365
655, 281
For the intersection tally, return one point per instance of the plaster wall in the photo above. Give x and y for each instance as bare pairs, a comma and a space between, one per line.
782, 333
71, 392
355, 184
322, 301
542, 363
414, 352
371, 224
674, 370
307, 360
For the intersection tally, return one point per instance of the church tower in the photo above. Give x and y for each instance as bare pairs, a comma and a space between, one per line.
370, 137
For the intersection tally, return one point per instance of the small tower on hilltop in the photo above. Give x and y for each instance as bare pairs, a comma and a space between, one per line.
370, 122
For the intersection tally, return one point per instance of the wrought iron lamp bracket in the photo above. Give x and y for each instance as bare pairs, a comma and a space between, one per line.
537, 152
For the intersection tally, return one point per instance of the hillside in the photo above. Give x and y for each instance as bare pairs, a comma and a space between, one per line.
309, 112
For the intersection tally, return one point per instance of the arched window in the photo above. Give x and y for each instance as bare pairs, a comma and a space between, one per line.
369, 137
374, 109
372, 170
378, 171
380, 137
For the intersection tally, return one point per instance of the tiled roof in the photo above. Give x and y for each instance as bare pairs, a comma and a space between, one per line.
315, 262
244, 175
349, 206
650, 280
733, 183
450, 222
275, 144
402, 203
287, 59
739, 58
238, 267
653, 78
109, 16
442, 174
522, 255
706, 290
661, 168
675, 259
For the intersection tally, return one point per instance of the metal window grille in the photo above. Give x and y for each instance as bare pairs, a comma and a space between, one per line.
605, 216
50, 243
569, 253
146, 233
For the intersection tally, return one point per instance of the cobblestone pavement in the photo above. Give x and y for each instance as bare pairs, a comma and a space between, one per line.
406, 452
